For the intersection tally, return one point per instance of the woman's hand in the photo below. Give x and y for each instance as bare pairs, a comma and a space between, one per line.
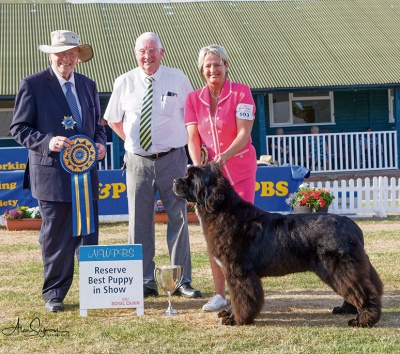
221, 159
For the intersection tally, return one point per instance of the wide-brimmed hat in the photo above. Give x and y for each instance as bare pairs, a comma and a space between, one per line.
267, 160
65, 40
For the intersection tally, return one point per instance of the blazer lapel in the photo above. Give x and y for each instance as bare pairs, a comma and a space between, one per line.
80, 90
57, 91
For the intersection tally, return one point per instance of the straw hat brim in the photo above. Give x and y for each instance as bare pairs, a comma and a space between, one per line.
86, 50
265, 160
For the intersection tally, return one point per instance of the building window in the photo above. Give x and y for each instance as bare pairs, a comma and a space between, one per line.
391, 105
301, 108
6, 114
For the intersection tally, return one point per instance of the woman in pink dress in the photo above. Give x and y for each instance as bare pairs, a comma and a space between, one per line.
220, 118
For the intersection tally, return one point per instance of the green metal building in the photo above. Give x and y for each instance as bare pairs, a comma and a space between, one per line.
334, 63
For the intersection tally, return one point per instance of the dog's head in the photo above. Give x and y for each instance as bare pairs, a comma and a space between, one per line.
202, 185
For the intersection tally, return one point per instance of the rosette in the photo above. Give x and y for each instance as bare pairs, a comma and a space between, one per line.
203, 155
78, 160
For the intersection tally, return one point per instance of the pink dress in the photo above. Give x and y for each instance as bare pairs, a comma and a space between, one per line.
218, 132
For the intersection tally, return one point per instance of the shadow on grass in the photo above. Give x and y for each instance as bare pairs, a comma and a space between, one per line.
290, 308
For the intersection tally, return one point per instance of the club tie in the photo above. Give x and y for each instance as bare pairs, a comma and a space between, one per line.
73, 106
145, 116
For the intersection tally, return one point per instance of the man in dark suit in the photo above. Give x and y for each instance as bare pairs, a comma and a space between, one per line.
44, 121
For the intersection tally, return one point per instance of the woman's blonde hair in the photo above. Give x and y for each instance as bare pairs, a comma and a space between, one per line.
211, 49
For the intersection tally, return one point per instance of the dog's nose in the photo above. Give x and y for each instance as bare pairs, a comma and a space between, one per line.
178, 180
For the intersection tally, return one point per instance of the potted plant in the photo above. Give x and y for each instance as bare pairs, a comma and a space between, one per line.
307, 199
160, 215
23, 218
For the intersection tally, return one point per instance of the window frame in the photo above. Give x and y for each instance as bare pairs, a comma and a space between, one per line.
391, 106
6, 107
297, 97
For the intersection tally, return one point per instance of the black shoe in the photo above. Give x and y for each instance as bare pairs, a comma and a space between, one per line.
54, 305
186, 290
147, 292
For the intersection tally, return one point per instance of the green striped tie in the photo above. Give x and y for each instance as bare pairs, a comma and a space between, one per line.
145, 116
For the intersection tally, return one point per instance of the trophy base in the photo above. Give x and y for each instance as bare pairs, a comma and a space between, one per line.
170, 311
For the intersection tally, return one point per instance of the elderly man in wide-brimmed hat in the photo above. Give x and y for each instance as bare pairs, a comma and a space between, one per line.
53, 108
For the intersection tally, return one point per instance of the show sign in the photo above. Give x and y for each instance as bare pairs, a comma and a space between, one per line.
111, 277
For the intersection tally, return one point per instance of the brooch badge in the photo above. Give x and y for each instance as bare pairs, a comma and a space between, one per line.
68, 122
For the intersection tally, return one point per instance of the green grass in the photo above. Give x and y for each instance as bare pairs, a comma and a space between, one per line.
296, 318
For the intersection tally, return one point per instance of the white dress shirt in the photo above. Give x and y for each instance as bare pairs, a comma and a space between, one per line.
170, 88
62, 81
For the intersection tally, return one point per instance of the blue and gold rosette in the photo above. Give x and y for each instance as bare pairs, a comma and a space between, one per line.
78, 160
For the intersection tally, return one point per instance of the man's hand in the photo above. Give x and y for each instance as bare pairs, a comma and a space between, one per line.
101, 151
58, 142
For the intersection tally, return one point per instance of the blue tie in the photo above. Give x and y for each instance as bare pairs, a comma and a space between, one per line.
73, 106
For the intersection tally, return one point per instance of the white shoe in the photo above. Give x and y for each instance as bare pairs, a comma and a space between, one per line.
215, 303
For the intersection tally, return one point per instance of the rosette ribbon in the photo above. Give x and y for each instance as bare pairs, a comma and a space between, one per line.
203, 155
78, 160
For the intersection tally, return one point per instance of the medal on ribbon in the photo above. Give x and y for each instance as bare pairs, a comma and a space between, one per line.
78, 160
68, 122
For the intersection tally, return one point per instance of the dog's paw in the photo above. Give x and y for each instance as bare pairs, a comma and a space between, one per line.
356, 323
228, 318
341, 311
337, 310
228, 321
346, 308
224, 313
353, 323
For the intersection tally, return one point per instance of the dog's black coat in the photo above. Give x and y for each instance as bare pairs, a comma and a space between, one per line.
250, 244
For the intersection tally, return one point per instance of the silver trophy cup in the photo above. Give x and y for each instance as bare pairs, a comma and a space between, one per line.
169, 278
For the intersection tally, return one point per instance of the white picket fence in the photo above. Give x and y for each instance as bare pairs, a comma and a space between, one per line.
378, 196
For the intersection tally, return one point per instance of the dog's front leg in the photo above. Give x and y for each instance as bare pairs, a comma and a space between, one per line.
246, 295
228, 317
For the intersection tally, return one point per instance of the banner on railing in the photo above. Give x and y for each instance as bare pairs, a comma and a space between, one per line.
273, 185
13, 159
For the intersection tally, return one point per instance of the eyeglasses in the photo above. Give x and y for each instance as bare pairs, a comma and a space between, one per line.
72, 55
150, 51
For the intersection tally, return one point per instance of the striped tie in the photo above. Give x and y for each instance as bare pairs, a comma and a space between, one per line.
145, 116
71, 99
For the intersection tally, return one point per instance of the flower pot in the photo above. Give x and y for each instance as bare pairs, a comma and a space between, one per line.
303, 209
192, 217
163, 217
323, 210
23, 224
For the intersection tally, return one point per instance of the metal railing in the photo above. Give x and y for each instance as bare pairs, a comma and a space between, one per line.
336, 151
108, 162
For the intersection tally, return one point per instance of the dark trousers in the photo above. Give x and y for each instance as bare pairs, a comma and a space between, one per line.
59, 246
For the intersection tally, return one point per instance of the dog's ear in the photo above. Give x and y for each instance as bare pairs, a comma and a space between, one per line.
210, 194
212, 200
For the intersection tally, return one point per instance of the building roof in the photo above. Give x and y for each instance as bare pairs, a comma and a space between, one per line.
271, 44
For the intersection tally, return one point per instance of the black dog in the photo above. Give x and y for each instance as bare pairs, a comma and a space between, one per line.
250, 243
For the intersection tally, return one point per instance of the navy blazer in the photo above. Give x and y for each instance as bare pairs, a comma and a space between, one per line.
39, 111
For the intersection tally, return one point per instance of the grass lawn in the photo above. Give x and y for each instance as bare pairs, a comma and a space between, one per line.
296, 318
